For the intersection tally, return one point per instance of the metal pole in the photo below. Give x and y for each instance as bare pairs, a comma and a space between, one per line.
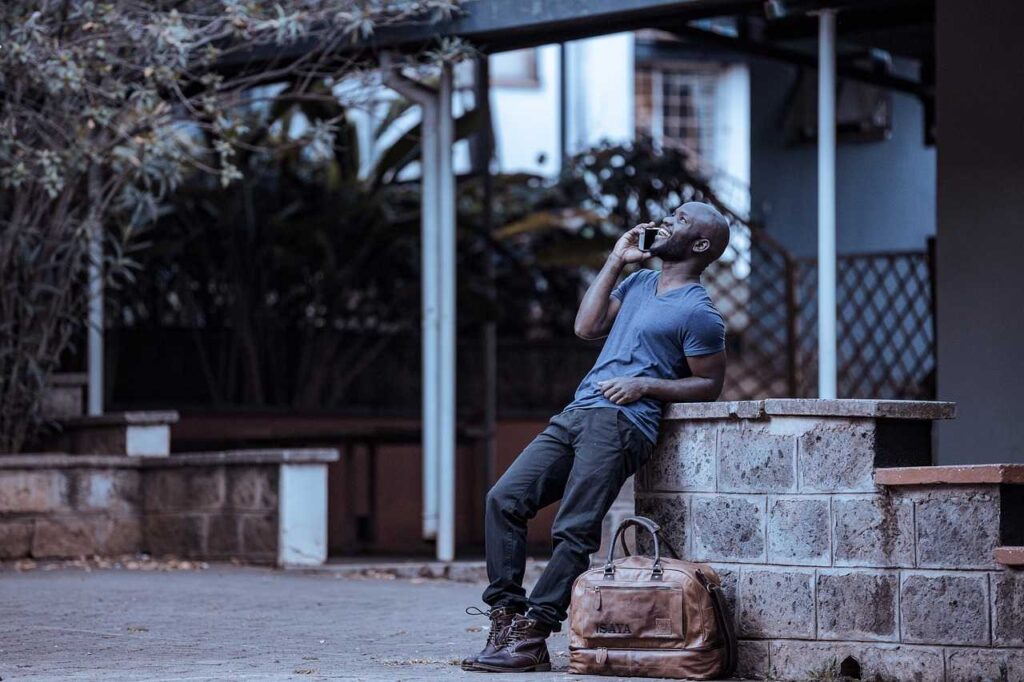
95, 332
827, 204
563, 104
484, 152
429, 278
446, 417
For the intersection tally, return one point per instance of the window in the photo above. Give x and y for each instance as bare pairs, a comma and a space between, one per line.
675, 105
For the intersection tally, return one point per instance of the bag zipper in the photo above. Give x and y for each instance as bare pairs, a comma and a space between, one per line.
600, 599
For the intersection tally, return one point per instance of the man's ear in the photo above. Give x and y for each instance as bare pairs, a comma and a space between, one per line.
701, 245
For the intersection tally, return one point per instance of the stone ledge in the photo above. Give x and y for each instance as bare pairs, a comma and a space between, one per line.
811, 407
235, 457
147, 418
726, 409
1009, 556
226, 458
951, 475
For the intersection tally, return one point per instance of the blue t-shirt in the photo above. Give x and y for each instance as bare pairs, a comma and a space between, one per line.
651, 337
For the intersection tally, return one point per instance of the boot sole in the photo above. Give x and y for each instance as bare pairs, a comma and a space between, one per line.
537, 668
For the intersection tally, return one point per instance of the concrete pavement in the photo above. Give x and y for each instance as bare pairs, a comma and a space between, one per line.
237, 623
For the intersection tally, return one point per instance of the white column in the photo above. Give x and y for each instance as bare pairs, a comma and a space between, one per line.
430, 276
446, 416
95, 319
827, 204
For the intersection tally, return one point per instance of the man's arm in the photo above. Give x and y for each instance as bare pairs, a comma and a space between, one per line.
705, 384
598, 309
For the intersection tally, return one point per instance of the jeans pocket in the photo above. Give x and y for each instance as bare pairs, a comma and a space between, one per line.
635, 447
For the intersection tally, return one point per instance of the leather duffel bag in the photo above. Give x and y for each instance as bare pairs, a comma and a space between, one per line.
650, 617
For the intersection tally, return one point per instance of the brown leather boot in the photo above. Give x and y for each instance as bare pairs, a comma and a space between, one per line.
525, 649
501, 617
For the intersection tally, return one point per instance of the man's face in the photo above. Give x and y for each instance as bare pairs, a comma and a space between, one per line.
676, 235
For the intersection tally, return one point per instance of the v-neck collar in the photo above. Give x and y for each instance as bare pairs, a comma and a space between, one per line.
657, 283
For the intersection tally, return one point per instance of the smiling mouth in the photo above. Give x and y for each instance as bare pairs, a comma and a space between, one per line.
662, 232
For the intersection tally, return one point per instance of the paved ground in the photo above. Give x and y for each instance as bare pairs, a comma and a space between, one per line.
232, 623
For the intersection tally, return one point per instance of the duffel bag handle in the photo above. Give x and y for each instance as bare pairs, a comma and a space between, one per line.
665, 544
640, 522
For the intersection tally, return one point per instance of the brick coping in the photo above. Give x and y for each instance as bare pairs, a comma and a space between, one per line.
811, 407
50, 460
951, 475
142, 418
1009, 556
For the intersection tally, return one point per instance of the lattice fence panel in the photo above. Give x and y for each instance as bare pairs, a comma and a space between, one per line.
885, 327
750, 287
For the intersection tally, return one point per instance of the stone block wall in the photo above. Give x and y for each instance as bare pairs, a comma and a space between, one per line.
69, 512
823, 566
215, 512
226, 505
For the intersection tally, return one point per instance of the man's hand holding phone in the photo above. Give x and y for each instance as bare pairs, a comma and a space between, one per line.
627, 249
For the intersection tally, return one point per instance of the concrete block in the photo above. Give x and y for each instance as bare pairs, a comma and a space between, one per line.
776, 603
796, 660
835, 457
251, 487
108, 490
858, 604
984, 665
165, 490
798, 531
957, 528
259, 536
118, 535
672, 513
206, 488
33, 491
224, 535
728, 528
63, 537
684, 459
872, 531
752, 459
175, 534
729, 577
752, 660
944, 608
15, 539
302, 520
1008, 608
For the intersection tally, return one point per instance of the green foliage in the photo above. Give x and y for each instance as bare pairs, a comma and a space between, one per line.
108, 106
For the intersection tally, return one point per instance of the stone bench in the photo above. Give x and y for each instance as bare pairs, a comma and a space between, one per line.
838, 543
258, 506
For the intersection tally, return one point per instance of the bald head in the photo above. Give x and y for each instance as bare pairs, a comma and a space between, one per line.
697, 232
712, 226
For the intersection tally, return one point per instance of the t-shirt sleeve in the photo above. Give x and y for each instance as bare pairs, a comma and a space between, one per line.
704, 333
625, 285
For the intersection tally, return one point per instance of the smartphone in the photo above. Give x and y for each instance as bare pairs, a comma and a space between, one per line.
647, 238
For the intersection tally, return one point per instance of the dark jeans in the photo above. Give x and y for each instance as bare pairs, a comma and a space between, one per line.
583, 457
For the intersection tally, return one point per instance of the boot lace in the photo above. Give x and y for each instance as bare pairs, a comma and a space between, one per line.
496, 630
518, 631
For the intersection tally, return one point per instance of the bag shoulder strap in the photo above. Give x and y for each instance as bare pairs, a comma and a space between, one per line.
725, 627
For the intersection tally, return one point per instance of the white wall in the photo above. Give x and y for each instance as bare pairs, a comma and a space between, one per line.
601, 101
526, 120
731, 138
600, 94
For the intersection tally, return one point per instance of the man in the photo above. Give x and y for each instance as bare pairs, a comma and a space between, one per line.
666, 343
